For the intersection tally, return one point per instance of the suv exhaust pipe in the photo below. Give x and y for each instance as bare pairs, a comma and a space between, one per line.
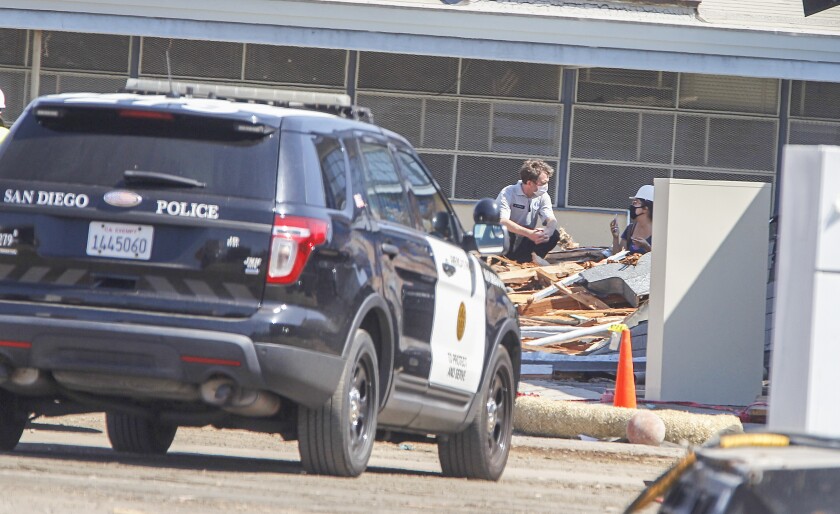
27, 381
224, 393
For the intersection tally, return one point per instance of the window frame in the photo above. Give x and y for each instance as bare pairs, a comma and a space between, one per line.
348, 185
373, 204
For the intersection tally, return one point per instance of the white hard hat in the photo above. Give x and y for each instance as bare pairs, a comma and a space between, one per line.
2, 100
645, 193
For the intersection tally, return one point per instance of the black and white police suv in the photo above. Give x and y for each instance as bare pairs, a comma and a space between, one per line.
190, 260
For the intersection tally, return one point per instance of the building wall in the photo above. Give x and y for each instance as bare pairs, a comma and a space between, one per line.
606, 131
778, 14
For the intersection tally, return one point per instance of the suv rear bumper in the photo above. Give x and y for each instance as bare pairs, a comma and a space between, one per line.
179, 355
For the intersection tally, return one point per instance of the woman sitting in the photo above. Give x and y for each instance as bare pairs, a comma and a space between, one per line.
637, 237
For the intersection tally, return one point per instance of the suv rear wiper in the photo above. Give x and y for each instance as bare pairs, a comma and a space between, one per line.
160, 178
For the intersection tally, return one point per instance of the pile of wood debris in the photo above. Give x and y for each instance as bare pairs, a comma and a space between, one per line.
549, 295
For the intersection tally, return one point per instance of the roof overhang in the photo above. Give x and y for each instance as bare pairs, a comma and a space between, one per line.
487, 30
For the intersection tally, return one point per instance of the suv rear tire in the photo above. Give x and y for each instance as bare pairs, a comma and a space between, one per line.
337, 438
137, 434
481, 451
12, 421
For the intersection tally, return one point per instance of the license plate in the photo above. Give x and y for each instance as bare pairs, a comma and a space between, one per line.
120, 240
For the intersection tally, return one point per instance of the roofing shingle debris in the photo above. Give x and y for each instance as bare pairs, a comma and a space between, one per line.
568, 301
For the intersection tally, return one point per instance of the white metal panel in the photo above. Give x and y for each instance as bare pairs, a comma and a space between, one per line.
803, 390
707, 298
828, 256
822, 418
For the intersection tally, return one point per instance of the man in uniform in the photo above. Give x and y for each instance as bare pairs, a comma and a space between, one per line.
526, 210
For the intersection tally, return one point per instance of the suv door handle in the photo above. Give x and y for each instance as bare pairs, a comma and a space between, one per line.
448, 269
391, 250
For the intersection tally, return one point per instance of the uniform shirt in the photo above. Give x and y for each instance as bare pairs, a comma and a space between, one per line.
524, 211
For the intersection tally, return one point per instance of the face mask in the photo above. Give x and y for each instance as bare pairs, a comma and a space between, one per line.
542, 190
633, 213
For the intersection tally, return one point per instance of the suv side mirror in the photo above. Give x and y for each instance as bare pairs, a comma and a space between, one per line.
490, 238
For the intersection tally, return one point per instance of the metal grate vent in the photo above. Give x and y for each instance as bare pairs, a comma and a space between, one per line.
407, 73
52, 83
604, 134
13, 47
622, 135
487, 126
731, 94
85, 52
692, 134
813, 133
296, 65
474, 133
656, 138
511, 128
426, 122
526, 128
627, 87
210, 59
504, 79
441, 167
440, 123
400, 114
726, 142
815, 99
608, 186
479, 176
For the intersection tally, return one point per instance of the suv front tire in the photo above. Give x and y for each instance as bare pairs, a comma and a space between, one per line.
481, 451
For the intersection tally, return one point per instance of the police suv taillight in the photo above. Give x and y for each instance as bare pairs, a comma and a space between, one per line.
292, 240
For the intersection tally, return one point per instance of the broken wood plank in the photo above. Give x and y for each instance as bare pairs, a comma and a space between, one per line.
505, 260
529, 271
591, 314
517, 275
568, 347
586, 299
544, 277
519, 298
546, 305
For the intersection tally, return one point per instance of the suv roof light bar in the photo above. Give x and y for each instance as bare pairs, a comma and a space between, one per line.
333, 103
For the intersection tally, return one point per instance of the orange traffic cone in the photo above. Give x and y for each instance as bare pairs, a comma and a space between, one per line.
625, 381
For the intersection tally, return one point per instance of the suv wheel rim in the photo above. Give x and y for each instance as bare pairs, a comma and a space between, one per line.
498, 416
359, 405
492, 410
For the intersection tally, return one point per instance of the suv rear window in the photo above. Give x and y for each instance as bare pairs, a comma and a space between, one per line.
96, 146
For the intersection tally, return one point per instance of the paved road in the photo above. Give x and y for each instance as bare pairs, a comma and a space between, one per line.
65, 465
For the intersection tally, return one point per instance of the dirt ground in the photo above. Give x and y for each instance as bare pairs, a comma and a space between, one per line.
65, 465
